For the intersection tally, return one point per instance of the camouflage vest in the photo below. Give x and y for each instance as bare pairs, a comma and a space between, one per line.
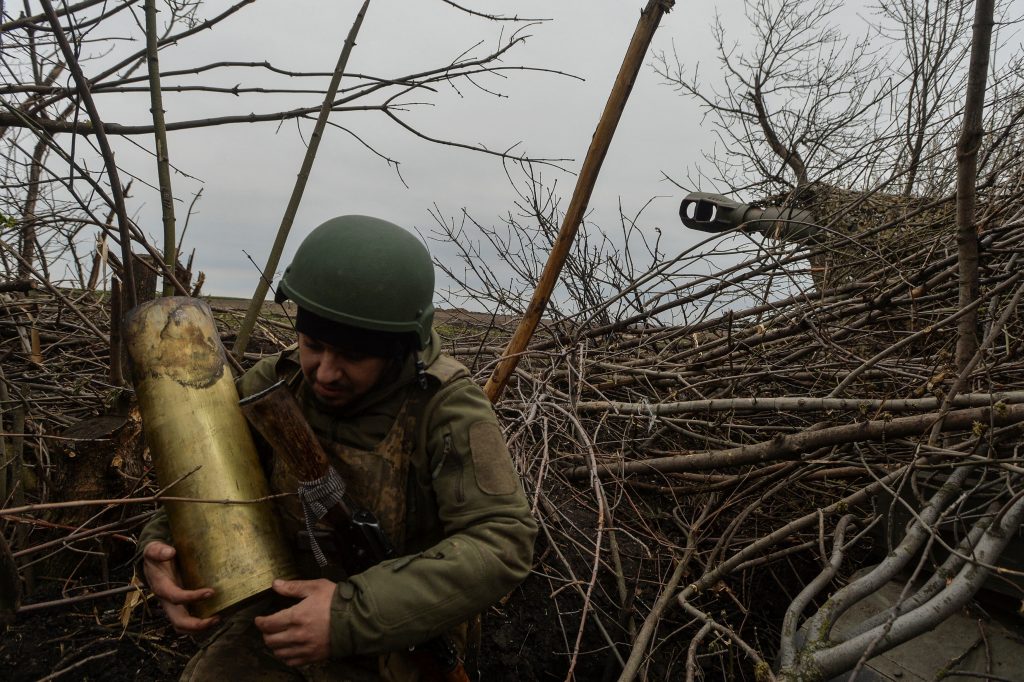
392, 479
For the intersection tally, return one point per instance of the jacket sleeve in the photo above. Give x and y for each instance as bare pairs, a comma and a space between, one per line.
487, 549
258, 377
157, 528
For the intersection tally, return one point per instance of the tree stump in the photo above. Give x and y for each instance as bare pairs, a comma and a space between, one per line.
98, 458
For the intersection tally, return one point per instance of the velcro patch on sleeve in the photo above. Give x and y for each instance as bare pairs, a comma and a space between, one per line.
492, 464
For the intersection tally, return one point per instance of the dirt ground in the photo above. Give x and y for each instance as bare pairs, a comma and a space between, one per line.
88, 642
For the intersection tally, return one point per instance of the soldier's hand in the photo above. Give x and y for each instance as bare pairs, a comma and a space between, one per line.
162, 575
300, 634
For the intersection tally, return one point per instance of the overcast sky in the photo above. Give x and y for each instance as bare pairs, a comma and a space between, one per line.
246, 171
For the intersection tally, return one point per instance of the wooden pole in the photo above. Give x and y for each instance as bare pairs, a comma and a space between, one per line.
163, 164
631, 63
967, 177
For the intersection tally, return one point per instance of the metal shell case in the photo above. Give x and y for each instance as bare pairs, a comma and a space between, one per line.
196, 432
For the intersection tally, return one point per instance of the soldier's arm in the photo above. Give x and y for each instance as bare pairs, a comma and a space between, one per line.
487, 551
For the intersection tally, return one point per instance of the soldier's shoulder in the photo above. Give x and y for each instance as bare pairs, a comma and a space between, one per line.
268, 371
446, 369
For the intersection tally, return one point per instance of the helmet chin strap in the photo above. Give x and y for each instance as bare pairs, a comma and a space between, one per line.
421, 371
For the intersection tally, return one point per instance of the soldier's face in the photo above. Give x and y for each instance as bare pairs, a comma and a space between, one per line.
338, 378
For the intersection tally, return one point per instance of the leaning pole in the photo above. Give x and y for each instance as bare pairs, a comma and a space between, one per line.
613, 108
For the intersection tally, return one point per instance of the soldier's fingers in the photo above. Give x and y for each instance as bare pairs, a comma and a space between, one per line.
293, 655
166, 588
184, 622
274, 623
161, 582
281, 641
180, 596
299, 589
295, 662
158, 551
163, 577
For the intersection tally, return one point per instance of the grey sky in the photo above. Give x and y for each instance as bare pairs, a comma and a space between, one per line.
246, 171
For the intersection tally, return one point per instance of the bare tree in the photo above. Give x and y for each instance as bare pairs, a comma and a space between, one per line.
935, 40
53, 134
789, 105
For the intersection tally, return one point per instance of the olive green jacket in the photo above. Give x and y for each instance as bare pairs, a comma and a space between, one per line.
469, 532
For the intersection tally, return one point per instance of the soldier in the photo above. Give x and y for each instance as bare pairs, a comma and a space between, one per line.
417, 443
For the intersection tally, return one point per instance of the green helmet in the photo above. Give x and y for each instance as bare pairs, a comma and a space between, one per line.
366, 273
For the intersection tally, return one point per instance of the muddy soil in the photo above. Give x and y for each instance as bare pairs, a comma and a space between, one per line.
88, 642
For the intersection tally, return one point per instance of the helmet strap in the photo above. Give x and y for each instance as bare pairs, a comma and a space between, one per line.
421, 372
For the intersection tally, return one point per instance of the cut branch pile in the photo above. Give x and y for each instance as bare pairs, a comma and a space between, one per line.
693, 467
692, 477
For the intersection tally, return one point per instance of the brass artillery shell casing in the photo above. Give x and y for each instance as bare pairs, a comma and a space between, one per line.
196, 432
